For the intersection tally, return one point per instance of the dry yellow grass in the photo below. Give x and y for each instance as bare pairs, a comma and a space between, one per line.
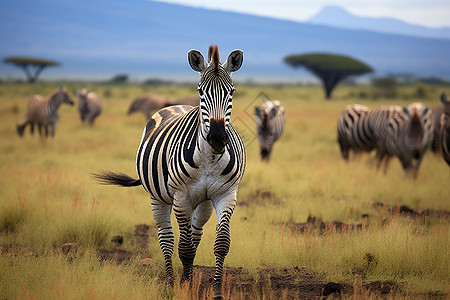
48, 198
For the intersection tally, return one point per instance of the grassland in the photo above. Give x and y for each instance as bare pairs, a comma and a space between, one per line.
47, 198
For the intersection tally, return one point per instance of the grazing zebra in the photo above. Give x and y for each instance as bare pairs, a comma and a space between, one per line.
43, 113
148, 104
353, 130
192, 101
269, 118
445, 129
192, 159
409, 135
89, 105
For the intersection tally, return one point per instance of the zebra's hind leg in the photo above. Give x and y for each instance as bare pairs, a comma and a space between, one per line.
161, 214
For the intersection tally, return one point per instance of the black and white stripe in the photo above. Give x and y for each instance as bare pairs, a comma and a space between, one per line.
409, 134
192, 159
43, 113
269, 119
353, 130
444, 129
89, 106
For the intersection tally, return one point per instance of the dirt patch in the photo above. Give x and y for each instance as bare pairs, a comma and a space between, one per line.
261, 197
317, 226
404, 210
293, 283
141, 235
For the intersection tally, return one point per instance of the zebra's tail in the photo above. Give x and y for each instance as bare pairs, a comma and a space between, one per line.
111, 178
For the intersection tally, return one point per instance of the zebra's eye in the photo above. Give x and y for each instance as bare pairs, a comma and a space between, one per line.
232, 92
200, 92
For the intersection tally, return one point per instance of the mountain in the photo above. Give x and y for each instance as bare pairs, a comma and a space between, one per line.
99, 39
336, 16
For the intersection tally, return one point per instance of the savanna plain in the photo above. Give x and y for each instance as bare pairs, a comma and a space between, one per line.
306, 222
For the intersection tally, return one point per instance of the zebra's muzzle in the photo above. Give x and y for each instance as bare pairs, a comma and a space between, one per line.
217, 137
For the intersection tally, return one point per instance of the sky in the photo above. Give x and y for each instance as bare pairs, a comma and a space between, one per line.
431, 13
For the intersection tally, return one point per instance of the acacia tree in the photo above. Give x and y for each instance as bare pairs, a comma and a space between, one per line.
30, 64
330, 68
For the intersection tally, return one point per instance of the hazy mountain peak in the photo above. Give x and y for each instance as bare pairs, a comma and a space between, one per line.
337, 16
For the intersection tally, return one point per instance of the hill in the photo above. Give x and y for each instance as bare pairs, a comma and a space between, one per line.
336, 16
98, 39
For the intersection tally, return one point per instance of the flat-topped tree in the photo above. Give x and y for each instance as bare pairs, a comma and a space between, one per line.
330, 68
31, 66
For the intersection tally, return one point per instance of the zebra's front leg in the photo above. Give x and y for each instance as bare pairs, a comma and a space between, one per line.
161, 214
201, 215
186, 247
224, 211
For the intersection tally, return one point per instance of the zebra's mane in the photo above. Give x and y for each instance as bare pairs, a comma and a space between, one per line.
213, 56
416, 127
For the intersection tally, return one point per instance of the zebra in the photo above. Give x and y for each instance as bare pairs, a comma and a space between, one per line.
269, 119
43, 113
444, 126
89, 105
409, 134
192, 101
148, 104
192, 159
353, 130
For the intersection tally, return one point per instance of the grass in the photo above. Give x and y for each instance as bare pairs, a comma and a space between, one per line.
48, 199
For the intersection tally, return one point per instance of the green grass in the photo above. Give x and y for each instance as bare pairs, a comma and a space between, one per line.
48, 198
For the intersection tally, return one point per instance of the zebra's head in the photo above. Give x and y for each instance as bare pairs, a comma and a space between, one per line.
216, 92
446, 112
263, 117
62, 96
419, 127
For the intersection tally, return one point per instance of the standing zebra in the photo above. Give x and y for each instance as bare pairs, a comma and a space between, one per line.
378, 121
43, 113
444, 126
409, 135
353, 130
89, 106
192, 159
269, 118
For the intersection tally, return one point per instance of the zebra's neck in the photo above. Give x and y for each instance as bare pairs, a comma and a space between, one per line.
53, 104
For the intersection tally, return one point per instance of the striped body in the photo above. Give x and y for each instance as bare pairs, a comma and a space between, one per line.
409, 135
444, 129
89, 106
436, 115
353, 130
192, 159
378, 121
269, 119
43, 113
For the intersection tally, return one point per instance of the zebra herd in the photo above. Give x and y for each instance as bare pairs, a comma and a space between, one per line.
404, 132
45, 112
191, 158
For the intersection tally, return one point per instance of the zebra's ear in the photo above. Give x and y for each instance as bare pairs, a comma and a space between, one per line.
273, 112
234, 61
258, 111
424, 111
444, 98
406, 112
196, 61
